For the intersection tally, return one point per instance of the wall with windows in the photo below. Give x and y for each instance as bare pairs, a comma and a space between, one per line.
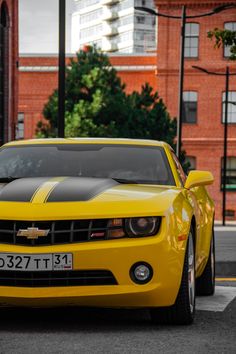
114, 26
204, 95
8, 68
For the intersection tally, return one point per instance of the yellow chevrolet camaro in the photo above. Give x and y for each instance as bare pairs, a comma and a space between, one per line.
104, 222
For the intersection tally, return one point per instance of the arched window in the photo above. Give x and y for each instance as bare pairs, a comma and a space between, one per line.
4, 82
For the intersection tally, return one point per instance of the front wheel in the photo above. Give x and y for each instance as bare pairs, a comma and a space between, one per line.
182, 312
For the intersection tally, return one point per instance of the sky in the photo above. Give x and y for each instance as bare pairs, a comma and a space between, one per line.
38, 26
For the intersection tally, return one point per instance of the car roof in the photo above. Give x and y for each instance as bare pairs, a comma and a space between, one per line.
87, 141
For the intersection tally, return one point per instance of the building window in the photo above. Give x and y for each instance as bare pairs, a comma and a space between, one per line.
190, 107
191, 40
85, 3
140, 19
231, 26
91, 31
123, 37
91, 16
145, 19
230, 173
20, 126
146, 3
191, 160
123, 5
126, 20
231, 107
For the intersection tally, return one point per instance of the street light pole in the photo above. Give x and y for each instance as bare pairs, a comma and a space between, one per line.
62, 68
181, 82
225, 142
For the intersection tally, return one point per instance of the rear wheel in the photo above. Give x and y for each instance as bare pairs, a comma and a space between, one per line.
182, 312
205, 284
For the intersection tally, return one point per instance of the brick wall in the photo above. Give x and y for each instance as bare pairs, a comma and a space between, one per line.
204, 140
39, 75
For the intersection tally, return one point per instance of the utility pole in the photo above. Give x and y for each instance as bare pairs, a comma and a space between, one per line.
181, 82
225, 142
62, 68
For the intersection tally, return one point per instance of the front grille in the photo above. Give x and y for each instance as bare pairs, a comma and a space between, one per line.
57, 278
61, 232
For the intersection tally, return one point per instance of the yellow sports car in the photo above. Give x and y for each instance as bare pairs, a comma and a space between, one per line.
104, 222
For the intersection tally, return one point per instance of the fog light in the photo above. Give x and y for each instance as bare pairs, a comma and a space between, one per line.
141, 273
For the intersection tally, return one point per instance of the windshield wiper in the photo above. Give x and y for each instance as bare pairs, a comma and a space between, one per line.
8, 179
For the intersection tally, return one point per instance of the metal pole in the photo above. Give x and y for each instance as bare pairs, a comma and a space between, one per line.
181, 82
225, 142
62, 69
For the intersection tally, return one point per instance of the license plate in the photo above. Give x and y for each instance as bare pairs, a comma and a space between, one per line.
36, 262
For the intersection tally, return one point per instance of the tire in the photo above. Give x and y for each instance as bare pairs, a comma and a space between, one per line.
182, 312
205, 284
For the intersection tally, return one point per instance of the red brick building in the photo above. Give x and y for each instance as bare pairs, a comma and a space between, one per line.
203, 130
38, 79
8, 68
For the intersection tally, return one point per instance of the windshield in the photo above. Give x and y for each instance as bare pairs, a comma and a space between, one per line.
141, 164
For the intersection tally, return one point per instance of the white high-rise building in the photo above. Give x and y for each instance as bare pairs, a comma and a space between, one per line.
114, 26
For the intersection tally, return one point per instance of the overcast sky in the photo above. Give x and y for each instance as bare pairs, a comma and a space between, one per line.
38, 25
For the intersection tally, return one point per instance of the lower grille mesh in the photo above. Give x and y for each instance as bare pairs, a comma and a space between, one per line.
57, 278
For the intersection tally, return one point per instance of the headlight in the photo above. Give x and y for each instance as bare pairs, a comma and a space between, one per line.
133, 227
142, 226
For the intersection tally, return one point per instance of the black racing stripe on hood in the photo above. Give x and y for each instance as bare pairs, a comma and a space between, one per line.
21, 190
77, 189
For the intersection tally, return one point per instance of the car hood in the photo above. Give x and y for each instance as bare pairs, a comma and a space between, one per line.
77, 197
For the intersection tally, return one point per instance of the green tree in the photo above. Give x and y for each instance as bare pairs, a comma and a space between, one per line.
93, 90
97, 105
224, 37
147, 117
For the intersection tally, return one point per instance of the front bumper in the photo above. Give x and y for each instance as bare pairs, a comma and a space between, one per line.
163, 252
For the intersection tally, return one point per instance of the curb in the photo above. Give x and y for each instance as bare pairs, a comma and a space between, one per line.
225, 268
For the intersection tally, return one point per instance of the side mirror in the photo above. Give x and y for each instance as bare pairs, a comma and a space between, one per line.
198, 178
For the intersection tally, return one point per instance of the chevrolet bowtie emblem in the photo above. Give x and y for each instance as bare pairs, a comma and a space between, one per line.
33, 233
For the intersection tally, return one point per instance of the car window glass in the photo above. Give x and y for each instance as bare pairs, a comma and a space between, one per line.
143, 164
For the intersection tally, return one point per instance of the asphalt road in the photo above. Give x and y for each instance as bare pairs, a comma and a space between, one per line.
113, 331
225, 245
124, 331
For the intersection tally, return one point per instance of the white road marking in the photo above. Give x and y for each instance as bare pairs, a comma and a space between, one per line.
217, 303
225, 228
